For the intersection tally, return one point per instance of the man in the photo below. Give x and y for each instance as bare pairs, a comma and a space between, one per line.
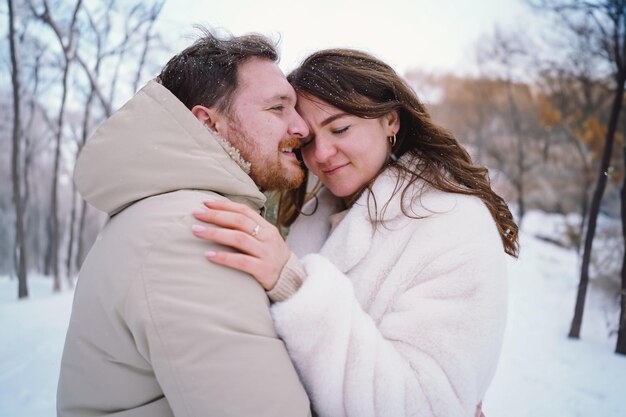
156, 330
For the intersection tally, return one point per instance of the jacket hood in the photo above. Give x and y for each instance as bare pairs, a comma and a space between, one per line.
155, 145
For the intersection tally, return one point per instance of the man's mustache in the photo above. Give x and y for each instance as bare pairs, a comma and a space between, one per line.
294, 143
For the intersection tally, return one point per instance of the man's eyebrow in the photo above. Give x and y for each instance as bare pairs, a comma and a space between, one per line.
333, 118
281, 97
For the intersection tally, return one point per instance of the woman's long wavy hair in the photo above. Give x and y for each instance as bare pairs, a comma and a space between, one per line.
362, 85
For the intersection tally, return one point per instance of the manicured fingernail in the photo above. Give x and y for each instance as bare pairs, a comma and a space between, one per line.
199, 211
209, 254
197, 228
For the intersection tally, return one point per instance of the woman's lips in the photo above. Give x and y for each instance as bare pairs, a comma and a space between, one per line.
333, 170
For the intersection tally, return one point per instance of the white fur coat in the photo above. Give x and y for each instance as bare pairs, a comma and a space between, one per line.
406, 320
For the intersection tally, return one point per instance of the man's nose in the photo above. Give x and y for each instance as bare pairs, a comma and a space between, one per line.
298, 127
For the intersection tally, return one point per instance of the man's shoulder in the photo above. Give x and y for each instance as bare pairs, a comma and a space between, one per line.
161, 211
154, 237
156, 223
175, 203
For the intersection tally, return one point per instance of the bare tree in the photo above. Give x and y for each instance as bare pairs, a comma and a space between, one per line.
71, 56
139, 27
507, 54
621, 332
604, 22
20, 247
613, 38
151, 17
572, 98
75, 231
67, 43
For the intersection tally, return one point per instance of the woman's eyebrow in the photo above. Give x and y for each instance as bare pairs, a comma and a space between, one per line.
333, 118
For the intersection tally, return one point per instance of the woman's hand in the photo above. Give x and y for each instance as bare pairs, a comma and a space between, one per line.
263, 252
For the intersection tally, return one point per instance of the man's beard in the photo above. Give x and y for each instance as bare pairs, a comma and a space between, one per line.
266, 171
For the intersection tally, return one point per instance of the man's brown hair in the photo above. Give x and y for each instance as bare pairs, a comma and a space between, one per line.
206, 72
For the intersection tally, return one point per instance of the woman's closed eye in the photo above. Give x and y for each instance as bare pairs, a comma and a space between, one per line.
340, 130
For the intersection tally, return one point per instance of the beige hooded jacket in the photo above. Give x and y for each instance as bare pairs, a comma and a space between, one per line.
157, 330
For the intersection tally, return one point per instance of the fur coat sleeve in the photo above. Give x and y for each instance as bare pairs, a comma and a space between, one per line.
405, 320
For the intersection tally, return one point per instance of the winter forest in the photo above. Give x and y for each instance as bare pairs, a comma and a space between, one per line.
544, 112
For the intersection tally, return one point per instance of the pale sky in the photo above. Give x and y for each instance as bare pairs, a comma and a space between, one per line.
430, 35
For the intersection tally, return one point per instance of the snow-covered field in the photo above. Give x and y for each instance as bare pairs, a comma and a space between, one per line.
542, 373
33, 333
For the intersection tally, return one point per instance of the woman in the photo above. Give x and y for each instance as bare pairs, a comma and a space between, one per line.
391, 297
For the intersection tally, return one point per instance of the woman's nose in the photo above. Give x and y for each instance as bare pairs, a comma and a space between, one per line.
323, 149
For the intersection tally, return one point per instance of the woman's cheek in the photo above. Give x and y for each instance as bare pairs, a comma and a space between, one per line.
306, 157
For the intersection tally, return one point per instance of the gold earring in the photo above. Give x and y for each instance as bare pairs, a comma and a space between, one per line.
392, 140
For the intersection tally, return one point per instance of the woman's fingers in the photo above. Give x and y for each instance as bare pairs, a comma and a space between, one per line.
236, 239
232, 207
241, 262
227, 219
264, 252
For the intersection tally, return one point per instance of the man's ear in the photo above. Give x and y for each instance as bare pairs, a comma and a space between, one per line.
207, 116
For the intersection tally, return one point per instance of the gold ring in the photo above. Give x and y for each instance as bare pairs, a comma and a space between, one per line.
255, 231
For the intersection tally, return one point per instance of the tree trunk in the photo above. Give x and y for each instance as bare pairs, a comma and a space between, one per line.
595, 205
54, 232
520, 161
20, 236
79, 256
584, 209
70, 244
620, 347
47, 260
584, 193
55, 235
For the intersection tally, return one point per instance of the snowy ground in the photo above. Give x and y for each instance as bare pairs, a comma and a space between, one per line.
33, 333
542, 373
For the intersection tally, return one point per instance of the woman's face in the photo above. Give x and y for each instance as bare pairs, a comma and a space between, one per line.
344, 151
